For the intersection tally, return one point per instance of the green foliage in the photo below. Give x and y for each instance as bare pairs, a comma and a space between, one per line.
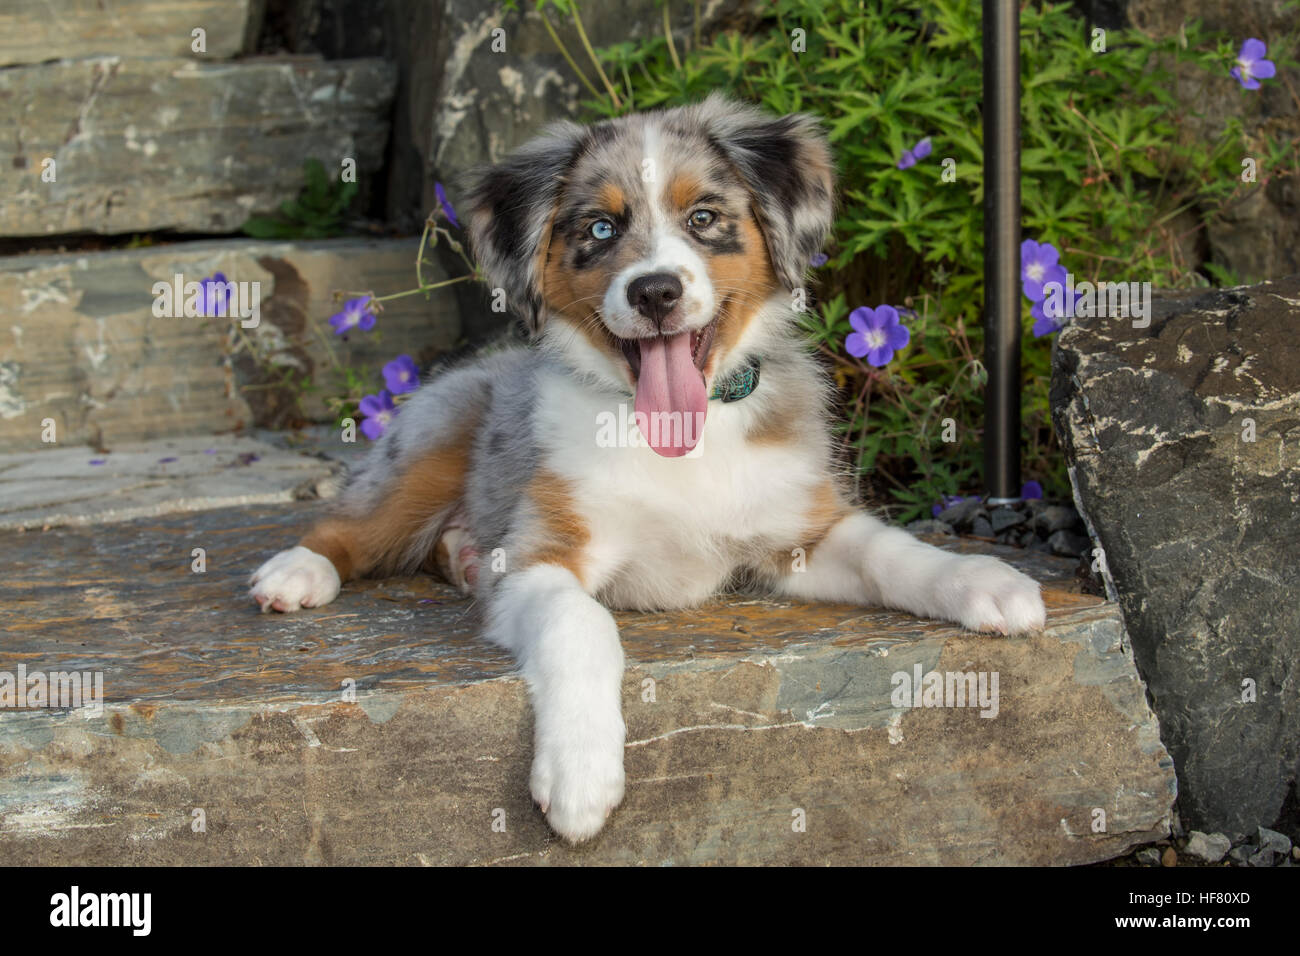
1118, 174
318, 213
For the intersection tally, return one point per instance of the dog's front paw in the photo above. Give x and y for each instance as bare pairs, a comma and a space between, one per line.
577, 777
989, 595
295, 579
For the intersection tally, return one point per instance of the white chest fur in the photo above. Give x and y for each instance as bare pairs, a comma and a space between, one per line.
669, 531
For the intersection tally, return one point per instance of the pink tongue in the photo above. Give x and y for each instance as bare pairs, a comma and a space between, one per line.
671, 400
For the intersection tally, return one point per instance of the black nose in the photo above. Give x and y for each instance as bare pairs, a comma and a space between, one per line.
654, 295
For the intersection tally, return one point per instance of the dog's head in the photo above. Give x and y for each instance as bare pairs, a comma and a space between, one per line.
649, 248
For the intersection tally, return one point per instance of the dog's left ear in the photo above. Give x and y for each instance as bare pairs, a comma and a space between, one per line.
511, 206
786, 163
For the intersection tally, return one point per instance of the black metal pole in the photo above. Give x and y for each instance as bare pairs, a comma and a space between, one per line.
1002, 249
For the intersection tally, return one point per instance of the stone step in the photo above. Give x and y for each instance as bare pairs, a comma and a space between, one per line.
380, 729
142, 145
80, 343
79, 486
35, 31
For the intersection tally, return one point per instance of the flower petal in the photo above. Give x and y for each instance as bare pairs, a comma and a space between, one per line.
1252, 49
922, 149
856, 344
859, 318
879, 357
1263, 69
897, 337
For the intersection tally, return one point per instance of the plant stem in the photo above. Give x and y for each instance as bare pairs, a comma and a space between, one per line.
564, 51
668, 35
422, 288
595, 60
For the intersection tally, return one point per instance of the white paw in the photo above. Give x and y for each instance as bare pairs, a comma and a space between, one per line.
577, 777
986, 594
295, 579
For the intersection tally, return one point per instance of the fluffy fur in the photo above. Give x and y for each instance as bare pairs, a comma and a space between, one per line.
501, 475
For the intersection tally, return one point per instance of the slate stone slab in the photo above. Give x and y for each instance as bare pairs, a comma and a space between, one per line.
80, 343
36, 31
744, 717
80, 486
173, 144
1183, 441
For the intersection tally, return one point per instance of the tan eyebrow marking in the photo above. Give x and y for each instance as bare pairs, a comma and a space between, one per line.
611, 198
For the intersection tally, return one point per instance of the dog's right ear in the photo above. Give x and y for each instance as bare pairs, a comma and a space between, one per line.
511, 206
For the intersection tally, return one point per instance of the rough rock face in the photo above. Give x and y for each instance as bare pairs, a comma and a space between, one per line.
35, 31
82, 344
1183, 441
154, 144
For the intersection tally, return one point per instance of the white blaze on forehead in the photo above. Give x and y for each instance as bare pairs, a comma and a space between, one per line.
670, 251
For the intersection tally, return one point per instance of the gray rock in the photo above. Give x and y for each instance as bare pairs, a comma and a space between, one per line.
981, 528
1262, 857
929, 526
1067, 544
1148, 856
1210, 847
158, 144
1004, 518
1056, 518
1277, 842
1239, 854
35, 31
962, 513
1199, 526
78, 486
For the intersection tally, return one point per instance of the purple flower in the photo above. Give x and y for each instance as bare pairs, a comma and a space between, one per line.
166, 461
98, 461
910, 156
1039, 265
1043, 323
1031, 489
401, 375
1251, 66
356, 314
878, 334
379, 411
1048, 317
818, 260
216, 290
445, 203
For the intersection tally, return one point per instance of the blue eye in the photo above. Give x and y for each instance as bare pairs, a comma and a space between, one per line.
602, 229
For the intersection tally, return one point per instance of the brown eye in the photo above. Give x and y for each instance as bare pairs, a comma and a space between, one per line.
701, 219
